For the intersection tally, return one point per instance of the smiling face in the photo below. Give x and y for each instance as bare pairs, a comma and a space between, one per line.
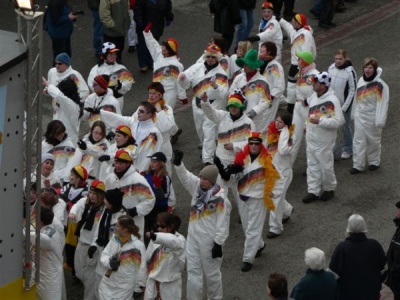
111, 58
234, 111
47, 167
120, 139
267, 14
74, 179
255, 148
97, 134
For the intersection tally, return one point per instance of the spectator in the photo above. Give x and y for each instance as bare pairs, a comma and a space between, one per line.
277, 287
327, 14
98, 29
246, 9
287, 11
358, 261
48, 178
132, 35
317, 284
393, 258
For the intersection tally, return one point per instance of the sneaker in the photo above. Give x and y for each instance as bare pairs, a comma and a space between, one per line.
131, 49
272, 235
258, 254
327, 195
285, 220
323, 25
246, 267
175, 137
354, 171
373, 167
331, 24
200, 146
310, 198
346, 155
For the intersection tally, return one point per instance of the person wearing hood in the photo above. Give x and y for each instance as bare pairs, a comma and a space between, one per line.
369, 113
324, 118
393, 258
344, 82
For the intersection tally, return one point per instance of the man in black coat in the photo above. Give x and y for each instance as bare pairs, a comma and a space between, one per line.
393, 258
358, 261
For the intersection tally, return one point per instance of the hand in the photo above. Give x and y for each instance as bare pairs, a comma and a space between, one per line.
46, 183
92, 110
251, 114
204, 97
290, 108
234, 168
110, 136
104, 157
225, 174
148, 27
82, 145
228, 146
157, 180
184, 101
91, 251
168, 22
314, 119
254, 38
72, 217
170, 209
178, 156
45, 82
114, 263
181, 76
158, 106
216, 251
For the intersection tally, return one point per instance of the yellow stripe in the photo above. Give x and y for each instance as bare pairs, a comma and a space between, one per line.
15, 291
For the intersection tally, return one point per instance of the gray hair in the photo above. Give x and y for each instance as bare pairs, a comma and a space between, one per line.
356, 224
315, 259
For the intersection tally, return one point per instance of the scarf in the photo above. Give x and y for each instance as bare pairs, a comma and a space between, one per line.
122, 173
250, 75
104, 228
210, 67
273, 137
87, 220
203, 196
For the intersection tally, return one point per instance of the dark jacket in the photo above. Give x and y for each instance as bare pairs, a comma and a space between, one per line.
393, 259
93, 4
115, 17
358, 262
247, 4
57, 22
316, 285
228, 16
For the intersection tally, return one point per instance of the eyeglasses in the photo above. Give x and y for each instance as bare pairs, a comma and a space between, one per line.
210, 56
59, 63
160, 226
254, 144
142, 111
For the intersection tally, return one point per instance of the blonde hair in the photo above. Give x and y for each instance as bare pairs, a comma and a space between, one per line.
244, 46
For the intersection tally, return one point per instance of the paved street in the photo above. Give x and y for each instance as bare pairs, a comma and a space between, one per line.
367, 28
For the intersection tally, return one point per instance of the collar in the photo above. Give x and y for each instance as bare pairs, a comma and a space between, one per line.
250, 75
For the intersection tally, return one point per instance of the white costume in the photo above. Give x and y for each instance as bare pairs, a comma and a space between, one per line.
55, 78
107, 166
369, 114
63, 152
166, 257
208, 224
270, 31
235, 70
121, 283
320, 141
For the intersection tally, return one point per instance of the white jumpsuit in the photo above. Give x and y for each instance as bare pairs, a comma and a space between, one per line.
63, 153
55, 78
272, 32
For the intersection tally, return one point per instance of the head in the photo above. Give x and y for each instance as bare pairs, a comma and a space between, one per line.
122, 161
255, 142
299, 21
315, 259
46, 216
78, 176
146, 111
236, 103
69, 88
268, 51
283, 119
267, 10
208, 177
98, 131
96, 193
356, 224
48, 198
48, 161
250, 61
304, 58
321, 83
212, 54
123, 136
113, 199
169, 47
55, 131
277, 286
370, 67
62, 62
157, 164
242, 48
156, 92
109, 52
100, 84
341, 57
126, 226
167, 222
220, 41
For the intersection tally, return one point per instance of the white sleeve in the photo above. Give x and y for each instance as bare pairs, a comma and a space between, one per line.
188, 180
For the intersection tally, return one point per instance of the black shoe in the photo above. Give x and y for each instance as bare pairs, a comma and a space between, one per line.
246, 267
331, 24
373, 167
310, 198
285, 220
175, 137
258, 254
354, 171
323, 25
131, 49
272, 235
339, 8
314, 13
327, 195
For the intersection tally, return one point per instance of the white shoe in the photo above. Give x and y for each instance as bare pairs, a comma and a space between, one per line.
346, 155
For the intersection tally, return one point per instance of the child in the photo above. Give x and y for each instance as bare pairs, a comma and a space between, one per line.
241, 50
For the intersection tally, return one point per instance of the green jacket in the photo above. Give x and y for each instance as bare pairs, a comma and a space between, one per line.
115, 17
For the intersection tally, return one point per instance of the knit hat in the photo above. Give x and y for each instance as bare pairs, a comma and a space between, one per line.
301, 19
48, 156
157, 86
81, 172
210, 173
158, 156
102, 80
213, 50
63, 58
108, 48
356, 224
171, 45
125, 130
114, 197
98, 186
267, 5
250, 59
324, 78
122, 155
236, 99
306, 56
255, 137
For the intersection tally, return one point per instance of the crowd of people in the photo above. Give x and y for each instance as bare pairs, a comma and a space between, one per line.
107, 197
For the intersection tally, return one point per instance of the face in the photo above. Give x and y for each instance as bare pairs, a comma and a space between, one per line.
155, 165
211, 59
234, 111
161, 227
164, 51
111, 58
154, 96
255, 148
60, 136
279, 123
301, 63
339, 60
120, 166
143, 115
318, 87
240, 52
369, 71
93, 197
263, 53
267, 14
247, 69
98, 89
33, 196
97, 134
295, 24
47, 167
74, 180
205, 184
60, 67
120, 139
119, 230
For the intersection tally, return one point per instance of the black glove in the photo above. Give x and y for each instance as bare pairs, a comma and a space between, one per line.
153, 236
178, 155
104, 157
234, 168
114, 263
93, 111
290, 108
225, 175
216, 251
91, 251
254, 38
110, 136
132, 212
82, 145
117, 86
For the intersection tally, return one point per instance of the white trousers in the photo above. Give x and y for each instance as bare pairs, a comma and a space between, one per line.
85, 270
132, 36
300, 114
168, 290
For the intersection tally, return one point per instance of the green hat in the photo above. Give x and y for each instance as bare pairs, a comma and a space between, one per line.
250, 59
308, 57
236, 99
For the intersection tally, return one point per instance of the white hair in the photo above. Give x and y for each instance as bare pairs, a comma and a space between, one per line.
356, 224
315, 259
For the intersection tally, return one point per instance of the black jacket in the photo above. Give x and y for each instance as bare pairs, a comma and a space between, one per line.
393, 259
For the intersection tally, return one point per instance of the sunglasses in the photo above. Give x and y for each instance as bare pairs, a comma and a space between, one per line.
254, 143
210, 56
160, 226
59, 64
